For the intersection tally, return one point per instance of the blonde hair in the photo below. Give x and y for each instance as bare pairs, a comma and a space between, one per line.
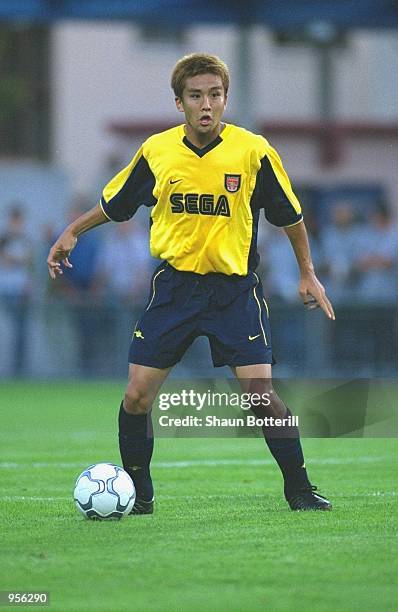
194, 64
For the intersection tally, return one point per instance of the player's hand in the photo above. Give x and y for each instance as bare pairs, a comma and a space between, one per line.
59, 253
312, 292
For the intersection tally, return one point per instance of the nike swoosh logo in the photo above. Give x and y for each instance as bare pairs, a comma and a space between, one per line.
176, 181
254, 337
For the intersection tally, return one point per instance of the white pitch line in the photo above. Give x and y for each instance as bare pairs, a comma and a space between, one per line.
12, 498
33, 498
9, 465
220, 462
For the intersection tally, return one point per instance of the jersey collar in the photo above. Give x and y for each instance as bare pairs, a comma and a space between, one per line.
200, 152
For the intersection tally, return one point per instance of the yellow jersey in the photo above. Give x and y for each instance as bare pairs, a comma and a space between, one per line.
205, 202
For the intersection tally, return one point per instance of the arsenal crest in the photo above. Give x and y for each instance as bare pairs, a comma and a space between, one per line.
232, 182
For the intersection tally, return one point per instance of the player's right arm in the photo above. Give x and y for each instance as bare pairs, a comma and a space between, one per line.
62, 248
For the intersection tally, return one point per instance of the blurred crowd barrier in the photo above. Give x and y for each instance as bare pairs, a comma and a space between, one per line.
81, 325
58, 339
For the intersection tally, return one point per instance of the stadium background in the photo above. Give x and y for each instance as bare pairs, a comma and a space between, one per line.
83, 83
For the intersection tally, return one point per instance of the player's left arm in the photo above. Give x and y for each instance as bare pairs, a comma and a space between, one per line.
311, 291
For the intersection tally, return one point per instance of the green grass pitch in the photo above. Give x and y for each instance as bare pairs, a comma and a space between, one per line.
222, 537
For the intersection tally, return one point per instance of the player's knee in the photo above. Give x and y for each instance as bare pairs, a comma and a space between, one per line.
272, 405
277, 408
136, 401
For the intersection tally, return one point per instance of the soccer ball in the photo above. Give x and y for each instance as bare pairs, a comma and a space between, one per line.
104, 491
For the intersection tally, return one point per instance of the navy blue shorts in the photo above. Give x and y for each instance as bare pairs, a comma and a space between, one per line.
229, 310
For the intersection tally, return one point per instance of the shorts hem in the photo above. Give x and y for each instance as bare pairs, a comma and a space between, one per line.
153, 363
246, 362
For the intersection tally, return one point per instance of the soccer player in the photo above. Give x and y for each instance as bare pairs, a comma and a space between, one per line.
207, 183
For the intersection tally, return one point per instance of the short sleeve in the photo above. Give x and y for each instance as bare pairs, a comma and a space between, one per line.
131, 188
274, 192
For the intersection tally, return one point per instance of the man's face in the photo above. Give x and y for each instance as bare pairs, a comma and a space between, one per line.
203, 102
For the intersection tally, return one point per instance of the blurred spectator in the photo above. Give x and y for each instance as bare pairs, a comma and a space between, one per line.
368, 274
126, 265
340, 243
111, 164
281, 282
282, 275
123, 274
16, 256
377, 262
79, 290
78, 282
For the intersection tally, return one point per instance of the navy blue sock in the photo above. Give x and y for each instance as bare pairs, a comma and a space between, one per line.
285, 446
136, 448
